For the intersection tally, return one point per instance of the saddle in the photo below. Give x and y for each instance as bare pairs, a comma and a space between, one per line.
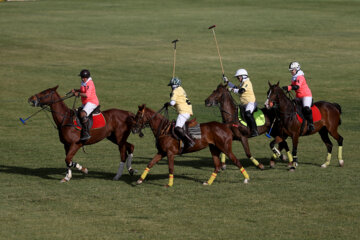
299, 111
258, 116
191, 127
96, 119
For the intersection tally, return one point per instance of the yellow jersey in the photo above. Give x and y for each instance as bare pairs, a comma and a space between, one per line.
182, 103
248, 95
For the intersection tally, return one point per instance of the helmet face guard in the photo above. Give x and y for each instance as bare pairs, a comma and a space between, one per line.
84, 73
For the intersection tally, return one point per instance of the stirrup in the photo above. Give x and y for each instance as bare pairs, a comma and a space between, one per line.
85, 137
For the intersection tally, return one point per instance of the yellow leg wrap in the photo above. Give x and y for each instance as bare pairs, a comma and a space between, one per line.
255, 162
243, 171
274, 156
222, 157
340, 153
144, 174
212, 178
171, 180
290, 157
328, 159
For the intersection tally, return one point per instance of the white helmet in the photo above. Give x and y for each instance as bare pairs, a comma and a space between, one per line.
294, 65
241, 72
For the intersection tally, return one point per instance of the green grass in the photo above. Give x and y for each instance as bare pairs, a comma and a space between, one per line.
127, 46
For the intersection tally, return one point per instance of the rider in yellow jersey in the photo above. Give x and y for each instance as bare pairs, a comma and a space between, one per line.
179, 100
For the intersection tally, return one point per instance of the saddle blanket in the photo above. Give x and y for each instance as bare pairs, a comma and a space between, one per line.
97, 121
315, 112
258, 116
195, 131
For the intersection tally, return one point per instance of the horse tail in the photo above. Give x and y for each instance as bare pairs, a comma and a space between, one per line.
338, 107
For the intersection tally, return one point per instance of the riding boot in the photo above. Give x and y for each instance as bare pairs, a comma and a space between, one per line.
251, 123
188, 141
85, 129
309, 117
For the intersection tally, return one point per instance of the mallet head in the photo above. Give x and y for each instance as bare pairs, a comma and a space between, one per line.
212, 26
176, 40
22, 120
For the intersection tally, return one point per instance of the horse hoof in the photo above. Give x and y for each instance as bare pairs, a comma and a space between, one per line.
272, 164
292, 169
206, 184
341, 163
116, 178
131, 172
324, 166
168, 186
63, 180
246, 180
138, 182
283, 158
84, 170
261, 166
223, 167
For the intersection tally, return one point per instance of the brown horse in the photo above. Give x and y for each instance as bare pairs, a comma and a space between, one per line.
330, 120
213, 134
117, 130
229, 112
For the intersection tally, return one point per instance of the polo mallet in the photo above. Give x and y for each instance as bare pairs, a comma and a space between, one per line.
24, 120
268, 134
217, 47
174, 42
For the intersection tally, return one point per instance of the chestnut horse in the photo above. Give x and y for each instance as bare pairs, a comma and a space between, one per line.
213, 134
229, 112
330, 120
117, 130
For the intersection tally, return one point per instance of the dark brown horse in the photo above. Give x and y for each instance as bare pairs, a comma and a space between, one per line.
330, 120
229, 112
117, 130
213, 134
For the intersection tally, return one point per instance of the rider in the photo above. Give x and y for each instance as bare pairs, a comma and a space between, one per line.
247, 97
179, 100
89, 101
302, 90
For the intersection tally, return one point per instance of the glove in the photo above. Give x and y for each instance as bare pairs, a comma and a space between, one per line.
225, 79
166, 105
285, 88
230, 89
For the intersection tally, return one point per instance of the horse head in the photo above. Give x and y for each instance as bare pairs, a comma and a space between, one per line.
215, 98
43, 98
141, 119
274, 96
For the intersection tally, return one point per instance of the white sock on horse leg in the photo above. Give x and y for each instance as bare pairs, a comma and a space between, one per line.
120, 171
128, 161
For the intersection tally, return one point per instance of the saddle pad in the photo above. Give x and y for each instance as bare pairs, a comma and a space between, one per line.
315, 112
258, 116
195, 131
98, 121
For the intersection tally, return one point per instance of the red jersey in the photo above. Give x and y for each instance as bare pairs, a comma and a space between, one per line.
88, 88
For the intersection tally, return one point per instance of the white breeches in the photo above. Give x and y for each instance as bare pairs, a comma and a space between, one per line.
181, 119
250, 106
306, 101
89, 107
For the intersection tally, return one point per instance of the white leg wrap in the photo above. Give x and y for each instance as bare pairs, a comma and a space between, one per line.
120, 171
68, 175
78, 166
128, 161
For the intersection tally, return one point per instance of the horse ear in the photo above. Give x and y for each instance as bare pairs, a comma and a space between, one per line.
277, 83
269, 83
141, 107
54, 88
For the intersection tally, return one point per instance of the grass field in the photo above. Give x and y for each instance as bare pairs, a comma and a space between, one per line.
127, 47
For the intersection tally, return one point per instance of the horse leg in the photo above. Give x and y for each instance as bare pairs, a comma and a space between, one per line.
124, 149
325, 138
155, 159
170, 157
339, 140
284, 145
215, 152
245, 144
223, 160
129, 151
295, 140
70, 152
